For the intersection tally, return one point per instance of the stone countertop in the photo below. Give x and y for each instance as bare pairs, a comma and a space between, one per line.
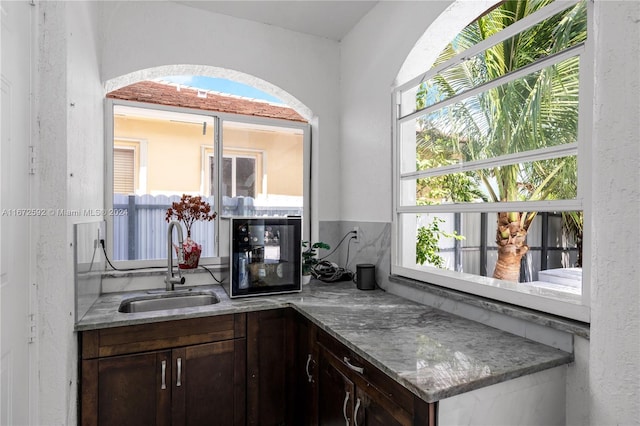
434, 354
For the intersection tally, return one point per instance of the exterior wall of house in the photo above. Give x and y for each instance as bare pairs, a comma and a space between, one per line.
172, 146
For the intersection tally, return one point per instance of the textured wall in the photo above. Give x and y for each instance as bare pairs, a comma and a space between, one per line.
615, 223
70, 177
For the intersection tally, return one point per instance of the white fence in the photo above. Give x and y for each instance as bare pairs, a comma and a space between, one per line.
140, 232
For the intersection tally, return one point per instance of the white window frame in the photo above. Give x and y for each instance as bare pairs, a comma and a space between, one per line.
139, 147
259, 156
222, 240
558, 303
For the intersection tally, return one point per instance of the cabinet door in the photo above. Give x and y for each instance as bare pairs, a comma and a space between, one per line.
306, 373
335, 395
375, 411
208, 384
132, 389
270, 356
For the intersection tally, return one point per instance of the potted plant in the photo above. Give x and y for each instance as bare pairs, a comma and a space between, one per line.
188, 210
309, 259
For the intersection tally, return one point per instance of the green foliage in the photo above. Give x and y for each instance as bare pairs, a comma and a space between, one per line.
309, 255
427, 247
535, 111
434, 150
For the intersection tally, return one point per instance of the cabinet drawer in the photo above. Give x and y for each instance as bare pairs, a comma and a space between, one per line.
350, 364
162, 335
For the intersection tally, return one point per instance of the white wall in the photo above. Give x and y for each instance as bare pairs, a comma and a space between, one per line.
82, 45
347, 87
371, 56
603, 384
70, 176
143, 35
615, 314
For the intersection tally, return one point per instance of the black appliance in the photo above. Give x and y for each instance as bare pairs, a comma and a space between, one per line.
265, 256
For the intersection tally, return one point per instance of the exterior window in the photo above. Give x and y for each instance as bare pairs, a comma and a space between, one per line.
178, 156
123, 170
488, 150
240, 174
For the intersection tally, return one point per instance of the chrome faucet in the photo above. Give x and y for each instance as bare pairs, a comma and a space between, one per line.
171, 279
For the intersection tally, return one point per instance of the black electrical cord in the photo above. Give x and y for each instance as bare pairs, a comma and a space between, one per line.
330, 272
148, 267
125, 269
211, 273
339, 244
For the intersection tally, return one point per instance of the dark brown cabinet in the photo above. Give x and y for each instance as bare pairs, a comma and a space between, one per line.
129, 389
267, 368
335, 395
352, 391
188, 372
306, 372
209, 384
271, 388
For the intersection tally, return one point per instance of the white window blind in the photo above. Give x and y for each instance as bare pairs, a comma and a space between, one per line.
123, 171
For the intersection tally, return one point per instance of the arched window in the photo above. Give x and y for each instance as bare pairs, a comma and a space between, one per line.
490, 156
175, 136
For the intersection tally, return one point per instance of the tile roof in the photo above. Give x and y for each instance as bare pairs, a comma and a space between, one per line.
168, 94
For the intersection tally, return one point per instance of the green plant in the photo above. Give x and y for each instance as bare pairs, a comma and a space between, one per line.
427, 248
536, 111
309, 255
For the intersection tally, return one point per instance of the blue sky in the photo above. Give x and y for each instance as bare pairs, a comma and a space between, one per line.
222, 85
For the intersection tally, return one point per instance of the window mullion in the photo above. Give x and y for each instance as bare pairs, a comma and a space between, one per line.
518, 27
503, 160
485, 87
510, 206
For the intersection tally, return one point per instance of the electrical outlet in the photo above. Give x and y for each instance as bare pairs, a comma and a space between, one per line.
356, 234
96, 242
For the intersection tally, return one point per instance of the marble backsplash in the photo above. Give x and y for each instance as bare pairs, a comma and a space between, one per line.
374, 246
89, 264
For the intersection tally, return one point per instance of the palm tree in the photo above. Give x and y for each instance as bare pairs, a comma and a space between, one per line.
535, 111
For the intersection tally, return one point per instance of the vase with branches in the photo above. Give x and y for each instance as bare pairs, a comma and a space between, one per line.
190, 209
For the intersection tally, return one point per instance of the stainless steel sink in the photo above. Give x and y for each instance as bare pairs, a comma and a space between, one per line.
163, 301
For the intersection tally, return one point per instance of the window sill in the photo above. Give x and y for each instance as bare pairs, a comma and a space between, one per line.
562, 324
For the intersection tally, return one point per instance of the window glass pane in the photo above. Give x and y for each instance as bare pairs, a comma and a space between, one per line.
554, 179
537, 111
565, 29
227, 177
263, 170
174, 149
245, 176
467, 242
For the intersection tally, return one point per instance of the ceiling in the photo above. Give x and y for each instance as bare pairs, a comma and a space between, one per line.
330, 19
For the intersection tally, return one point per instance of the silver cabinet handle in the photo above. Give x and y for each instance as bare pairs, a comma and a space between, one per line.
164, 375
353, 367
178, 381
355, 412
344, 409
307, 369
